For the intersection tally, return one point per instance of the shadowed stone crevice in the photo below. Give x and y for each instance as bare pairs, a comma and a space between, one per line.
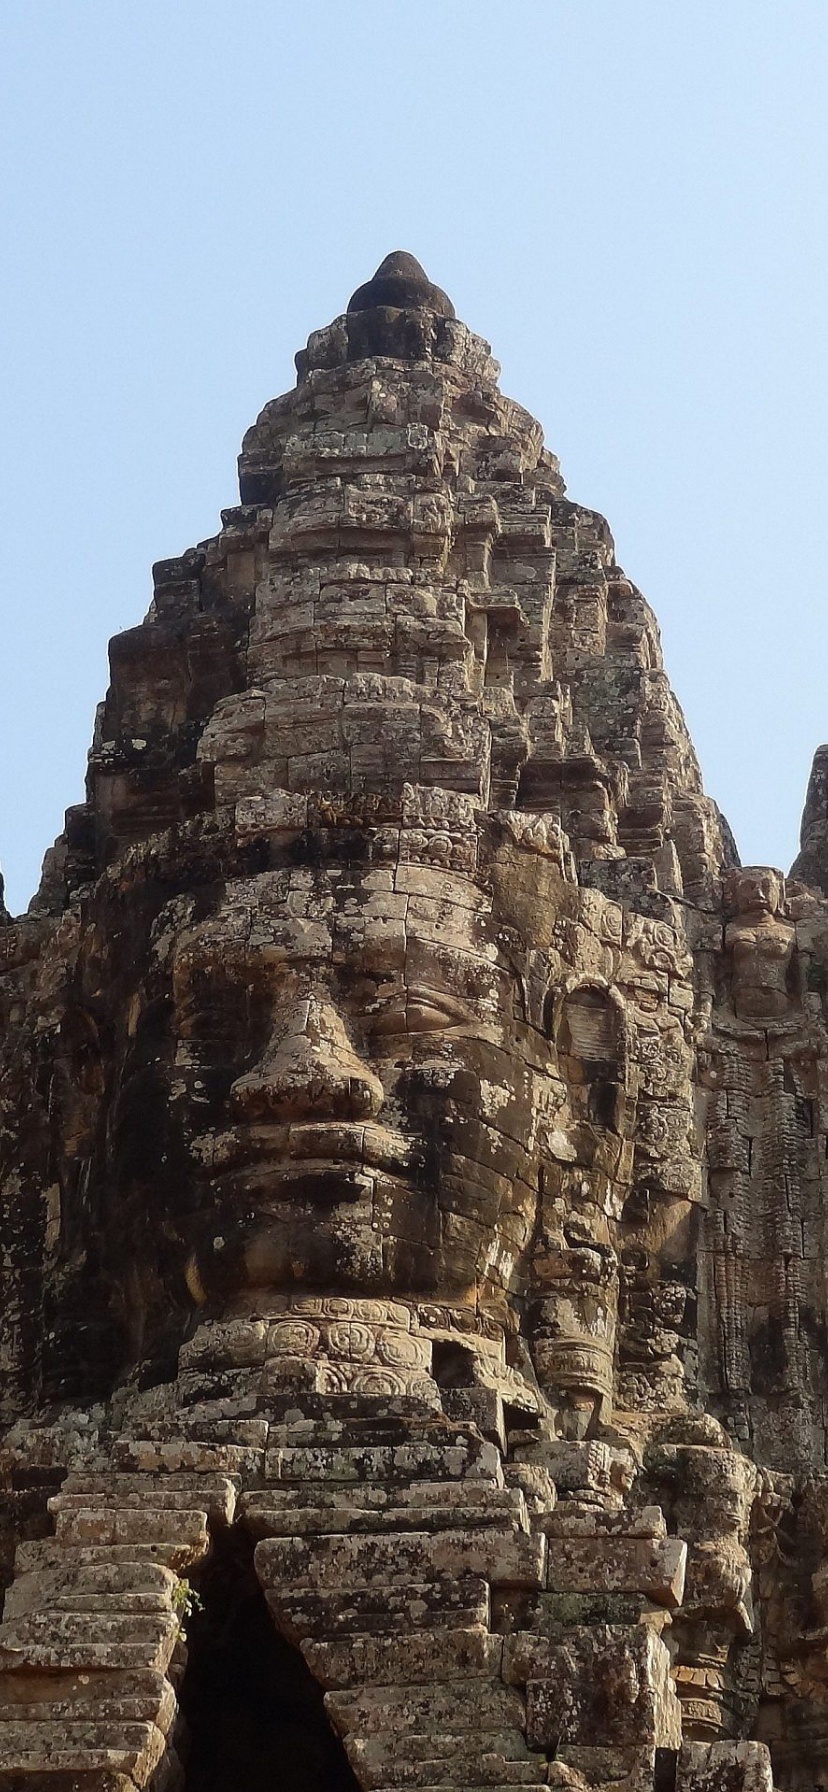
252, 1716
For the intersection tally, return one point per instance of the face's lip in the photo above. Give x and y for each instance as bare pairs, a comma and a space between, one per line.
307, 1148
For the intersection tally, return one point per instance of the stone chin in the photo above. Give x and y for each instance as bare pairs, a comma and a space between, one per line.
343, 1225
333, 1248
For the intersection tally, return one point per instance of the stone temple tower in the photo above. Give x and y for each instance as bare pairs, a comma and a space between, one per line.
413, 1159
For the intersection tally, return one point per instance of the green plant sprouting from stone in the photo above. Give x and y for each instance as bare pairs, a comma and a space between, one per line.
186, 1601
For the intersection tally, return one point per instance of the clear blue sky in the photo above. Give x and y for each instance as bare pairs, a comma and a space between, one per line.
627, 197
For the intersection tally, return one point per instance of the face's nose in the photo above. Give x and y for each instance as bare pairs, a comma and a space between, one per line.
309, 1070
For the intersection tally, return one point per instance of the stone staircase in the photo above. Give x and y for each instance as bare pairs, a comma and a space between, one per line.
465, 1633
90, 1625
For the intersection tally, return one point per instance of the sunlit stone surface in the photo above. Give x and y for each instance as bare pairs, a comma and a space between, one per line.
413, 1159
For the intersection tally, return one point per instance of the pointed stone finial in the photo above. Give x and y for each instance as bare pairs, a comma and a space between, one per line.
401, 283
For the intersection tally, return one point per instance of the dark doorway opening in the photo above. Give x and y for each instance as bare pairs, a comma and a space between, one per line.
252, 1716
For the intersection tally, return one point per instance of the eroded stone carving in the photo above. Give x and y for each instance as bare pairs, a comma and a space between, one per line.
412, 1158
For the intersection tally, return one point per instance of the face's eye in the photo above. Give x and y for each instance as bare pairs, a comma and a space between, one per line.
212, 1012
419, 1011
213, 1003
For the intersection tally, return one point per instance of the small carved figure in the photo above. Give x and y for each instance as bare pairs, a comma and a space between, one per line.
761, 944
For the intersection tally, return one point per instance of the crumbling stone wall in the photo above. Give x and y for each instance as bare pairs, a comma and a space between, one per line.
412, 1158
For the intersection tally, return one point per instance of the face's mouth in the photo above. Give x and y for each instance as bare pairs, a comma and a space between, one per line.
322, 1160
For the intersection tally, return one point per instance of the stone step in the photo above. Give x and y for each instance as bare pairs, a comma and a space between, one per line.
120, 1709
182, 1428
87, 1641
444, 1760
133, 1749
385, 1496
101, 1626
81, 1657
127, 1604
55, 1554
268, 1520
56, 1779
176, 1538
213, 1494
528, 1779
460, 1602
299, 1458
150, 1524
116, 1586
479, 1705
138, 1481
404, 1660
391, 1417
571, 1518
21, 1689
512, 1559
652, 1566
181, 1455
326, 1420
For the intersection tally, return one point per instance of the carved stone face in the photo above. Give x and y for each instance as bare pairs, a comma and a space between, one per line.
718, 1492
353, 1104
754, 890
